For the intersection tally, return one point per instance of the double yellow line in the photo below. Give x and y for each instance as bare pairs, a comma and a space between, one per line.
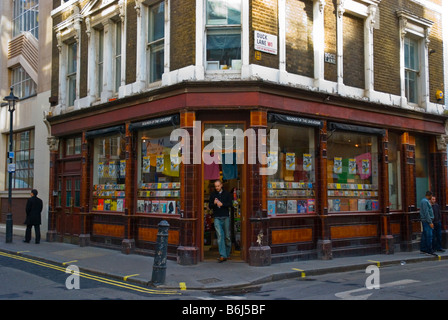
91, 276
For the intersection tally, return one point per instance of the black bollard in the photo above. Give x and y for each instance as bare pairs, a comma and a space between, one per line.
159, 266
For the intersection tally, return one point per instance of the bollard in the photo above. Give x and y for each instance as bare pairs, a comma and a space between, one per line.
159, 266
8, 228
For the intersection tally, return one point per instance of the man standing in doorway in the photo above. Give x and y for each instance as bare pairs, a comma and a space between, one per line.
426, 217
220, 202
33, 216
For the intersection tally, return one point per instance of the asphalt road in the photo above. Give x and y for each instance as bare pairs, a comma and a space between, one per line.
28, 279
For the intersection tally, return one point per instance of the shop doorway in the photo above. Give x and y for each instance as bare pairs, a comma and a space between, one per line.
233, 179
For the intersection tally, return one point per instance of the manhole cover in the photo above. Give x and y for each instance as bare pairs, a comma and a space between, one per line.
209, 280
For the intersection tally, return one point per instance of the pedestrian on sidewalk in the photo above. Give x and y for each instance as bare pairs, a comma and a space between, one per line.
437, 231
33, 209
220, 202
426, 218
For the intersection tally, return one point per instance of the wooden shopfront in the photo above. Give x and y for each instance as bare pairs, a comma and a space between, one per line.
348, 181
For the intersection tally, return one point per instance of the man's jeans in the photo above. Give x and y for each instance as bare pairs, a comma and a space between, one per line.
437, 236
426, 241
222, 227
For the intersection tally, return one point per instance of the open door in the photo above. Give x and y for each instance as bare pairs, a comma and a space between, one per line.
233, 178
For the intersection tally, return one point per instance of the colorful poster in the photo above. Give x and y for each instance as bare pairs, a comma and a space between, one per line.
307, 162
272, 160
290, 161
100, 169
122, 168
337, 165
160, 164
271, 207
146, 166
351, 166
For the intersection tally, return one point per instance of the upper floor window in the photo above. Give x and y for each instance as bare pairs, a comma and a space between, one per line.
72, 62
156, 41
100, 61
412, 68
22, 83
23, 147
117, 55
223, 27
26, 17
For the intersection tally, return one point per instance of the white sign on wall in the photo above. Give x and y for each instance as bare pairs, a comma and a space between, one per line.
265, 42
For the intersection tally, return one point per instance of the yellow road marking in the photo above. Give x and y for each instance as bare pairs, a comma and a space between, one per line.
125, 278
377, 262
182, 286
91, 276
68, 262
302, 271
19, 252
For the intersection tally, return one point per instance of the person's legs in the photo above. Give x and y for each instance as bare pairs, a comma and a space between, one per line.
437, 237
37, 232
426, 240
220, 235
28, 233
227, 241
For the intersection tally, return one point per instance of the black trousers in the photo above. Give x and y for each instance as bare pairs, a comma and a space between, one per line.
36, 231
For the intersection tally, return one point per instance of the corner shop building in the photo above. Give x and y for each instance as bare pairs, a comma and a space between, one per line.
349, 179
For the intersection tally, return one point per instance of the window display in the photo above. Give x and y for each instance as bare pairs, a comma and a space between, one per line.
291, 190
158, 172
109, 170
352, 172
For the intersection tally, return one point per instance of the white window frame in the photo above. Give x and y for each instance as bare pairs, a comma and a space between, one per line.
24, 86
418, 29
154, 46
217, 26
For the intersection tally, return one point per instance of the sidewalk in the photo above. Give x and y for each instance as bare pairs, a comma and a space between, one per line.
208, 275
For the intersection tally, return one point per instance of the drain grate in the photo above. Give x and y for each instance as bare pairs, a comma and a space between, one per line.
209, 280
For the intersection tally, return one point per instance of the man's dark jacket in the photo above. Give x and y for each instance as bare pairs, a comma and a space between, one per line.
34, 207
226, 200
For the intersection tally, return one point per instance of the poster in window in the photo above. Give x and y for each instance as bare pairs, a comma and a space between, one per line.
100, 169
307, 162
272, 160
337, 165
112, 170
271, 207
122, 168
291, 161
281, 206
351, 166
365, 167
146, 164
291, 206
175, 160
160, 165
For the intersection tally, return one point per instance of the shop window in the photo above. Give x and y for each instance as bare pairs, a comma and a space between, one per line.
352, 172
394, 171
291, 190
223, 27
109, 170
159, 183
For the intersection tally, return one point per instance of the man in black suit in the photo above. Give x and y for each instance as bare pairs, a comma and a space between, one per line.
34, 207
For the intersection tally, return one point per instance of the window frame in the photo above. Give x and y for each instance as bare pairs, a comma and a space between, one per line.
217, 28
